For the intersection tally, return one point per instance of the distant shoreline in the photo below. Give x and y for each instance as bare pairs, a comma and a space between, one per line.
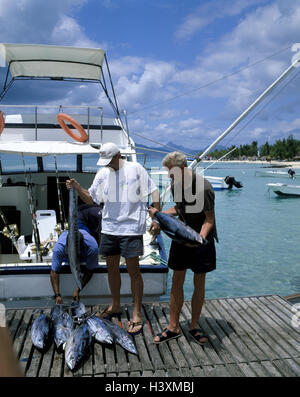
288, 164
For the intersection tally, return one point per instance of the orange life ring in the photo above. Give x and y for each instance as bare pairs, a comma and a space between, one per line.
61, 117
2, 123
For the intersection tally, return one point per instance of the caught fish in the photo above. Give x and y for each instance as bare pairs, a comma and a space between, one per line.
78, 346
121, 337
178, 230
99, 330
41, 332
73, 239
78, 309
62, 325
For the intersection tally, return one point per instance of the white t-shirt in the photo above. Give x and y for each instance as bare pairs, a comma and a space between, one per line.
124, 193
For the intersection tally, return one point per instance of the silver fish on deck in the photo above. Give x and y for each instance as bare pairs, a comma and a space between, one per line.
77, 309
41, 332
99, 331
78, 346
178, 230
121, 337
62, 325
73, 239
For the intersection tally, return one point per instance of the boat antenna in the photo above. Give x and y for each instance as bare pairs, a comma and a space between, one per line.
33, 216
59, 196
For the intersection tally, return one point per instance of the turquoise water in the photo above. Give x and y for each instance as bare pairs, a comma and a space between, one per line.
259, 245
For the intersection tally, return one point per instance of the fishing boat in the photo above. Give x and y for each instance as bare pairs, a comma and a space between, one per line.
278, 174
285, 190
40, 148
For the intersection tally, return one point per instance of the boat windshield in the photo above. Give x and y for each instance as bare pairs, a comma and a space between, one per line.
11, 163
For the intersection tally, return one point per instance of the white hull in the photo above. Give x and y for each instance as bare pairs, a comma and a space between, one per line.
275, 174
282, 189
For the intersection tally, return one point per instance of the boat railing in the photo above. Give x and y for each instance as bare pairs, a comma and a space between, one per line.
88, 115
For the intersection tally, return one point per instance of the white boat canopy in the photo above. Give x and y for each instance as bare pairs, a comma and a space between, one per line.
34, 60
46, 148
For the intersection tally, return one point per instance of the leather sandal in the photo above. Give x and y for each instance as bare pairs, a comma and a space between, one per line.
135, 324
169, 335
107, 314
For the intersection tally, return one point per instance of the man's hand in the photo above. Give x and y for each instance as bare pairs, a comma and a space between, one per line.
75, 296
154, 228
152, 212
58, 300
72, 183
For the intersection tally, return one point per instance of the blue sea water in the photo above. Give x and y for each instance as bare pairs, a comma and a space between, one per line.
259, 243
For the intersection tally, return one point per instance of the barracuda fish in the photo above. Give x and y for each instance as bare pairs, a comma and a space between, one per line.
78, 346
121, 336
99, 330
73, 238
41, 332
78, 309
62, 325
178, 230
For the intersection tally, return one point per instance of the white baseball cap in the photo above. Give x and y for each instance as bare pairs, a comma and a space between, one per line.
107, 152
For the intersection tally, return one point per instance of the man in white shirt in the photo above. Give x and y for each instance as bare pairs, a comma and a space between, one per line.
124, 188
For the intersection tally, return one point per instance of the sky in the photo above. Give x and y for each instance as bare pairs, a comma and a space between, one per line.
182, 70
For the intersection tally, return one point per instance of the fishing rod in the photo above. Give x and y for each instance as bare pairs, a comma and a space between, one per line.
10, 230
196, 162
60, 201
33, 216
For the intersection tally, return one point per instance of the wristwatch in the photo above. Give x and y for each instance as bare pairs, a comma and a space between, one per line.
56, 295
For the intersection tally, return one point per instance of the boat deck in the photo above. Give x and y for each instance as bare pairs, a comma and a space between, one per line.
248, 337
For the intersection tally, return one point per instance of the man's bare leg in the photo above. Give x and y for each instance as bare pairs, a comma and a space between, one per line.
114, 280
176, 301
197, 302
137, 289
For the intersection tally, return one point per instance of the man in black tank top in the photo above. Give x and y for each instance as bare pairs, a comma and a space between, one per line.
194, 204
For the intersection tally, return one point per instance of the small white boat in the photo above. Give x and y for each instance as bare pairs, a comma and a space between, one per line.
278, 174
283, 189
160, 178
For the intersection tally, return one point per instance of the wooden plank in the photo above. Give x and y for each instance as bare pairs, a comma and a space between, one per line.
197, 372
247, 370
234, 370
271, 369
209, 347
27, 350
178, 357
140, 344
216, 371
223, 343
99, 365
249, 330
152, 348
134, 373
57, 364
278, 333
9, 315
163, 348
259, 370
15, 323
183, 343
147, 374
283, 310
160, 373
285, 368
234, 335
22, 332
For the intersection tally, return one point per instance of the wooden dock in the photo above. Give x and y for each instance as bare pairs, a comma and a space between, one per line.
248, 337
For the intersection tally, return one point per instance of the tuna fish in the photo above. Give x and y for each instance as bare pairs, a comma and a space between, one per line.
178, 230
78, 309
78, 346
41, 332
100, 332
73, 240
62, 325
121, 337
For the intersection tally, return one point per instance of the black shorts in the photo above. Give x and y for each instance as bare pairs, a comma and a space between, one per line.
200, 259
126, 246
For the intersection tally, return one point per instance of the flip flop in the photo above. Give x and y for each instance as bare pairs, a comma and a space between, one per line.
135, 324
108, 315
169, 335
197, 338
